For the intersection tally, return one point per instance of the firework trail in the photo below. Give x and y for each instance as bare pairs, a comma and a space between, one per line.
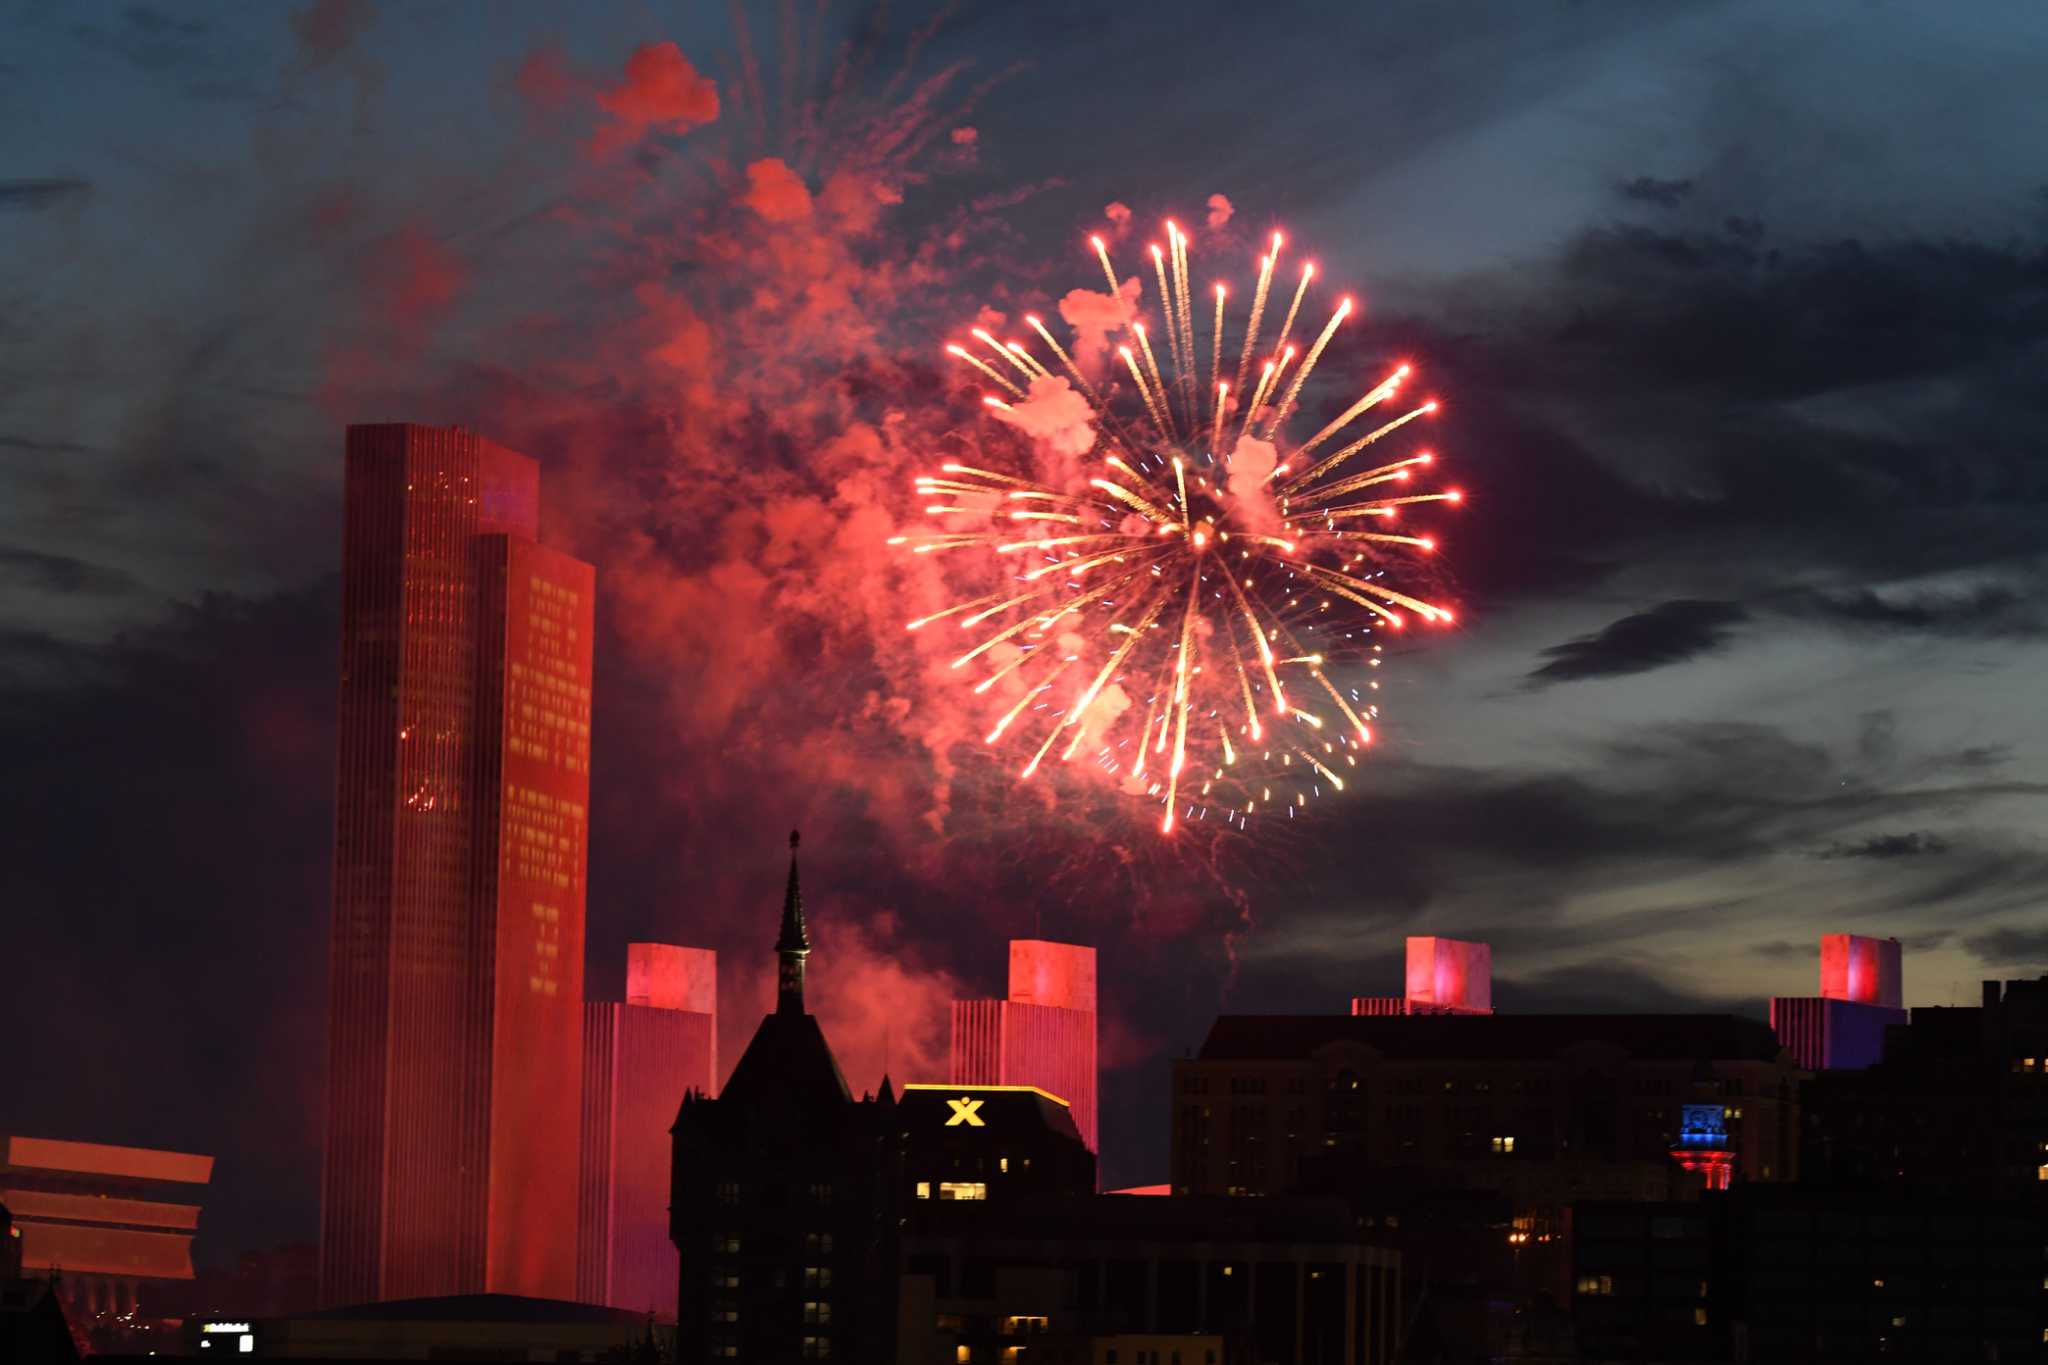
1175, 615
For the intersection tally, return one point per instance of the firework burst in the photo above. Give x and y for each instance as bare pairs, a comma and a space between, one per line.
1197, 612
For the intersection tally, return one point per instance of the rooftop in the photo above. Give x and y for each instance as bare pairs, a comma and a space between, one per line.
1461, 1037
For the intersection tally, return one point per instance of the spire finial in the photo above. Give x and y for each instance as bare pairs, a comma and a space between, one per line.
795, 838
793, 945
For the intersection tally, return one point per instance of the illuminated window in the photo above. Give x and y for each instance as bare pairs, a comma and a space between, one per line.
1899, 1321
730, 1246
1596, 1284
728, 1281
817, 1277
1503, 1144
818, 1241
962, 1355
1019, 1324
924, 1189
2041, 1173
1003, 1164
817, 1348
1699, 1317
1230, 1270
963, 1189
817, 1312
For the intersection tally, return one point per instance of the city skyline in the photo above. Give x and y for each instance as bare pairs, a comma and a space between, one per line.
1737, 353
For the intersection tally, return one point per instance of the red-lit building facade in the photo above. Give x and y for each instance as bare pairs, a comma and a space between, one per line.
1043, 1034
1444, 976
115, 1223
455, 1024
640, 1057
1862, 994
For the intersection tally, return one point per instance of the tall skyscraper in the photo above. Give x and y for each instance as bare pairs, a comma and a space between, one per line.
1042, 1035
455, 1012
640, 1058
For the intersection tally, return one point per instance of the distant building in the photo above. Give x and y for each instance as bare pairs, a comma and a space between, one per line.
1445, 976
998, 1144
1043, 1034
1774, 1272
1061, 1278
32, 1322
783, 1194
457, 1327
1397, 1114
640, 1058
1861, 995
455, 1001
115, 1223
1958, 1102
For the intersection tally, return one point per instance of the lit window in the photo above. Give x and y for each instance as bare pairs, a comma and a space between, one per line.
924, 1189
1019, 1324
817, 1348
2041, 1173
817, 1312
817, 1277
818, 1242
729, 1245
1003, 1164
1504, 1144
1877, 1283
1899, 1321
1699, 1317
1230, 1270
962, 1355
1596, 1284
963, 1189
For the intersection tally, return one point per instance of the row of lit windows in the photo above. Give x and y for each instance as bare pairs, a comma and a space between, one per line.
954, 1189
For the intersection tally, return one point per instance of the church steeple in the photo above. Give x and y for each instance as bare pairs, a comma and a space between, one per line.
793, 945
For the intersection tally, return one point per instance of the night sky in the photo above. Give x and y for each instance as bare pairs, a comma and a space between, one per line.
1740, 314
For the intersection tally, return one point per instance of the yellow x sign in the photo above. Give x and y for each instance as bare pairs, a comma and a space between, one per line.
964, 1112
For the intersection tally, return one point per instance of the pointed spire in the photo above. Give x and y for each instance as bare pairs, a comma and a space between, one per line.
793, 945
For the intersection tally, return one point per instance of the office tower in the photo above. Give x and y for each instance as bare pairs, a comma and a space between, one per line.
1042, 1035
1861, 995
782, 1205
1444, 976
113, 1222
640, 1057
455, 1011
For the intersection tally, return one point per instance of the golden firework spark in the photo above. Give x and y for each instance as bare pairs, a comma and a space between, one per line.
1177, 614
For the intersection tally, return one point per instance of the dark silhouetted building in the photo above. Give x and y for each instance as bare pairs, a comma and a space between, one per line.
455, 1011
1043, 1034
1415, 1118
1787, 1273
32, 1324
1444, 976
993, 1143
116, 1224
455, 1327
1959, 1102
1861, 995
783, 1194
640, 1058
1060, 1278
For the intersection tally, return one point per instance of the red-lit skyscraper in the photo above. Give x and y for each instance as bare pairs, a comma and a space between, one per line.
640, 1058
455, 1012
1861, 995
1043, 1035
1445, 976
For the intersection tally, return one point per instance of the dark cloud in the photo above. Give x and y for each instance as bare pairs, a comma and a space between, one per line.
60, 573
1913, 845
1599, 986
12, 442
1986, 612
1668, 633
147, 38
2024, 948
49, 192
1647, 189
1781, 950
